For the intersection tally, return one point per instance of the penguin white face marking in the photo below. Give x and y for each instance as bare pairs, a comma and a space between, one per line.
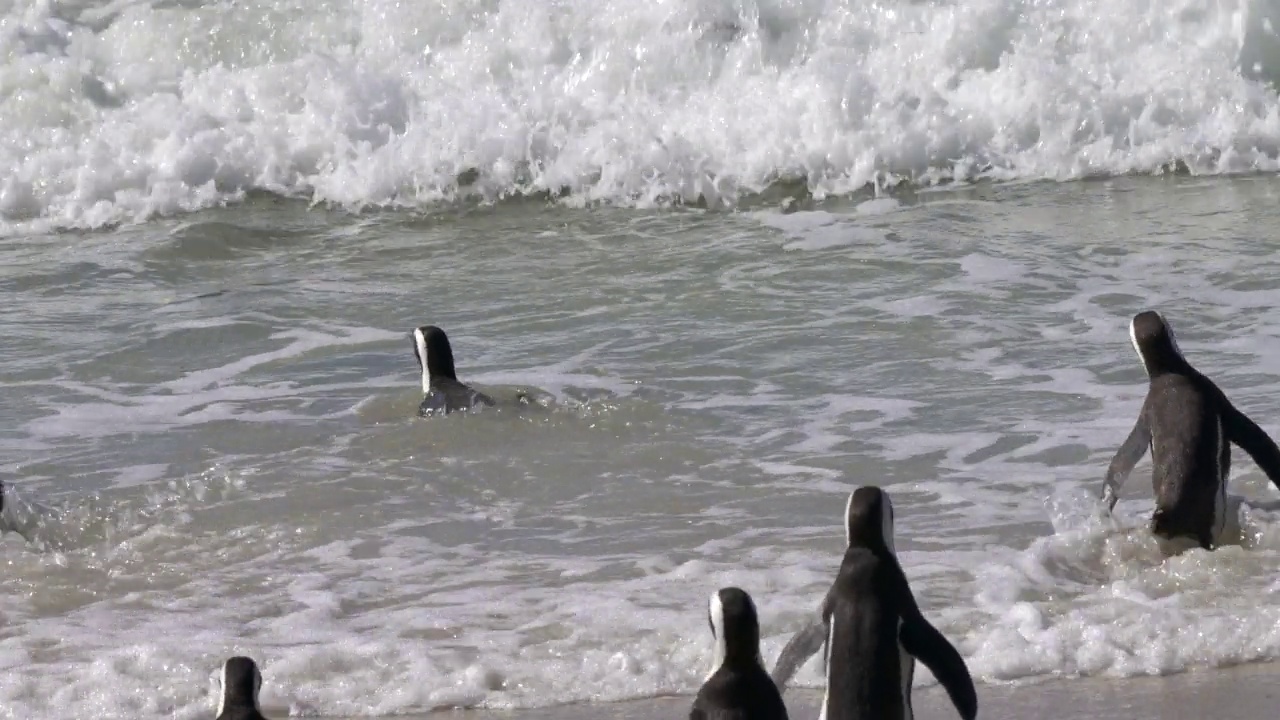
848, 521
1133, 338
420, 342
715, 614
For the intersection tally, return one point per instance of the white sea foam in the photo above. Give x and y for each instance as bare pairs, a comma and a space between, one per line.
364, 626
118, 111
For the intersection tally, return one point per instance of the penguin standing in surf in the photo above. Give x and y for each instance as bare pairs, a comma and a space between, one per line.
241, 683
871, 631
738, 687
1189, 424
443, 392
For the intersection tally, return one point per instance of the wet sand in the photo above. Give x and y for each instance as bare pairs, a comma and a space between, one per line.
1248, 692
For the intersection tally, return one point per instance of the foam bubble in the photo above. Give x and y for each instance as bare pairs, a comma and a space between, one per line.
120, 112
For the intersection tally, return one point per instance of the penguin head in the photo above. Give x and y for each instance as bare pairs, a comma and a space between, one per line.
735, 627
1155, 343
868, 519
435, 355
241, 683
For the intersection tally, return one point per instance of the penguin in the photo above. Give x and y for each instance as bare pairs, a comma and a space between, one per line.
871, 631
241, 683
738, 687
20, 515
443, 392
1189, 425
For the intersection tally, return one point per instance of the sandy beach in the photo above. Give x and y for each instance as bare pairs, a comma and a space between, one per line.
1247, 692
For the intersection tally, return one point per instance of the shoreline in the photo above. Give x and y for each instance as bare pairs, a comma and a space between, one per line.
1241, 692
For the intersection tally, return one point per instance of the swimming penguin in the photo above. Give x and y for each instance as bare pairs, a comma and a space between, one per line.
21, 516
871, 630
738, 687
241, 683
1189, 424
444, 393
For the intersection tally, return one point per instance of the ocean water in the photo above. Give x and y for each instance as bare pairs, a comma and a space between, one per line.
748, 255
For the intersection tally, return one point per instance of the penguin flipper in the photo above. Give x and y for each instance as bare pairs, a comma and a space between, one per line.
802, 646
1245, 433
930, 647
1126, 457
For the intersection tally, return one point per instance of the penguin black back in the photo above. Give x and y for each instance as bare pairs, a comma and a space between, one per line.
241, 683
867, 674
1189, 474
738, 687
1182, 411
871, 630
863, 654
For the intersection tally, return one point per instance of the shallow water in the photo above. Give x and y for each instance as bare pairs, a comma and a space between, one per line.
209, 389
217, 413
